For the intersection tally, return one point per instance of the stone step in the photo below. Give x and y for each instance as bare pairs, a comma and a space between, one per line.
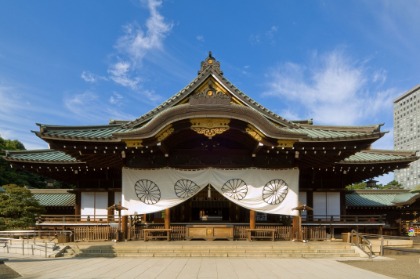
207, 249
222, 254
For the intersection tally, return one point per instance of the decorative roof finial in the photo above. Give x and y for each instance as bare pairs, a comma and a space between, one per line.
210, 63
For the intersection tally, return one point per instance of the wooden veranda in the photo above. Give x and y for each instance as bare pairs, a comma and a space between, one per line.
87, 228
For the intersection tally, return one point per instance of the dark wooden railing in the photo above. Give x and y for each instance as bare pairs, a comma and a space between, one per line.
103, 227
344, 219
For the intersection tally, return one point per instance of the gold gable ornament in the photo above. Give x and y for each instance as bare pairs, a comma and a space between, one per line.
165, 133
254, 134
283, 143
134, 143
210, 127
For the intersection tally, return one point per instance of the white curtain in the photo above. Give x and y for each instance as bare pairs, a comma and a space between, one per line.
262, 190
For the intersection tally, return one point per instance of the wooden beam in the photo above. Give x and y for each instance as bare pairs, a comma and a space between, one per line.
252, 219
167, 218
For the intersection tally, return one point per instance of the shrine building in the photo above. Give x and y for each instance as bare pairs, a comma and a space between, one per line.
210, 153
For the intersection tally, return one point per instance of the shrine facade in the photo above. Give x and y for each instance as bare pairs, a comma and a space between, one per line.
210, 153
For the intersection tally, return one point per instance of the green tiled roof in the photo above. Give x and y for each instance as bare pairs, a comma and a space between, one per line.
82, 132
204, 75
207, 73
372, 156
377, 198
44, 155
54, 197
319, 133
106, 132
53, 156
405, 198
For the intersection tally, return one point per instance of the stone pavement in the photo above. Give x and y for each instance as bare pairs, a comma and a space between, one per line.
166, 268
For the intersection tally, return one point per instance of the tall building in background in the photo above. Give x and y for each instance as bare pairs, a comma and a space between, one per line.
407, 134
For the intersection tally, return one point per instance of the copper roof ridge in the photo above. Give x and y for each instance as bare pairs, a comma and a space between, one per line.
84, 127
390, 152
187, 111
374, 127
203, 74
46, 150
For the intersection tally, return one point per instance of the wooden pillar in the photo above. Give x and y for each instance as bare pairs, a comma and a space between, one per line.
144, 218
111, 201
297, 228
124, 227
252, 219
167, 218
310, 203
77, 206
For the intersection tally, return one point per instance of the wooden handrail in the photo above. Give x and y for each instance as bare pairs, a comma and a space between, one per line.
77, 219
362, 242
344, 218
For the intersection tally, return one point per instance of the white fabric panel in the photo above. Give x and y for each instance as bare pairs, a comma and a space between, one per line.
320, 205
326, 203
94, 204
101, 204
268, 191
333, 204
88, 203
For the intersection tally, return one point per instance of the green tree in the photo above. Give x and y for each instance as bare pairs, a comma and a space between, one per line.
357, 186
11, 145
13, 176
363, 185
393, 185
18, 208
9, 175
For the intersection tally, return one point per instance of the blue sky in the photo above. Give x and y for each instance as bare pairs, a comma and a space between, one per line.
86, 62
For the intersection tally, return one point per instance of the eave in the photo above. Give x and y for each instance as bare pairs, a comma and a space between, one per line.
99, 133
186, 112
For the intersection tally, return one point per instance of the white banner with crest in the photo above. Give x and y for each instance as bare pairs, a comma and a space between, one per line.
262, 190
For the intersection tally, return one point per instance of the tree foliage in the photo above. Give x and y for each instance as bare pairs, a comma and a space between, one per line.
363, 185
18, 208
9, 175
11, 145
13, 176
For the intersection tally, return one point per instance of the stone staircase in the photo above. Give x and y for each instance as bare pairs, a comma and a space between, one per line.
236, 249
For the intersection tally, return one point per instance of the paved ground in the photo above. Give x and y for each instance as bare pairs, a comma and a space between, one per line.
167, 268
401, 266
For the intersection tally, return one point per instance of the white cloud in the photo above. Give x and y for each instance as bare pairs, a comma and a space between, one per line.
81, 104
135, 42
91, 77
116, 99
17, 115
89, 108
9, 99
332, 90
268, 35
134, 45
121, 72
379, 76
255, 39
200, 38
401, 23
